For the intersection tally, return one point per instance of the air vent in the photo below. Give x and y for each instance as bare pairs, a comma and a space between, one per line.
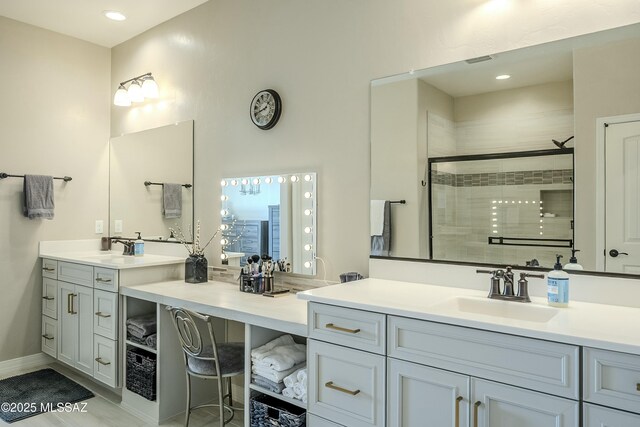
479, 59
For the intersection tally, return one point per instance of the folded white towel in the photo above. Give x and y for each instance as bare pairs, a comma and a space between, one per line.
377, 217
258, 353
299, 390
288, 392
291, 380
302, 377
304, 398
273, 375
283, 357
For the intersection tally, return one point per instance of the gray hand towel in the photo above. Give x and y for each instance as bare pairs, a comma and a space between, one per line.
172, 200
381, 245
38, 196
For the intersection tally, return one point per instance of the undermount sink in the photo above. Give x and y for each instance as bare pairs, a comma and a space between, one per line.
496, 308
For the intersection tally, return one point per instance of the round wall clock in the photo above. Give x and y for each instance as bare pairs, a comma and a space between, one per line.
265, 109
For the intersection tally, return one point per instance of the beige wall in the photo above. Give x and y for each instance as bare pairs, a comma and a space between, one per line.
320, 56
617, 94
54, 120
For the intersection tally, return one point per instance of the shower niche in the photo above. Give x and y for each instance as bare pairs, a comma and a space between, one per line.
502, 208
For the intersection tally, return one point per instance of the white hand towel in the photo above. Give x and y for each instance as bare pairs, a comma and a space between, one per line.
377, 217
270, 374
291, 380
304, 398
258, 353
288, 392
284, 357
299, 390
302, 377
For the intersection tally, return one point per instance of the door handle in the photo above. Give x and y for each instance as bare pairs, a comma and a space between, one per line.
102, 362
341, 329
340, 389
48, 269
69, 303
47, 337
73, 311
614, 253
99, 279
101, 314
48, 298
458, 400
475, 413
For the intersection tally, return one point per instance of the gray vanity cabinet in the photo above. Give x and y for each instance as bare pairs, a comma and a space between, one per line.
75, 326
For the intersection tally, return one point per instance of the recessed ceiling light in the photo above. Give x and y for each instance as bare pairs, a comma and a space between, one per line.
114, 15
503, 77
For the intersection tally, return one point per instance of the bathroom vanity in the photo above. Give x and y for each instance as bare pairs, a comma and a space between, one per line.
81, 316
392, 353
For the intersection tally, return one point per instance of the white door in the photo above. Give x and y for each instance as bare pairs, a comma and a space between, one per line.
622, 206
499, 405
416, 390
83, 306
67, 325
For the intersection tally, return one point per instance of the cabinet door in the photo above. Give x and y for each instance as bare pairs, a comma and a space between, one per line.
83, 306
105, 360
49, 333
67, 325
598, 416
49, 298
496, 405
416, 392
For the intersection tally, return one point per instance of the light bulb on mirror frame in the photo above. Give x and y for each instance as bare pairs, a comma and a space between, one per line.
307, 195
224, 198
308, 247
281, 179
223, 183
245, 181
256, 181
294, 178
308, 264
234, 182
307, 178
224, 227
223, 256
224, 242
224, 212
307, 212
268, 180
307, 230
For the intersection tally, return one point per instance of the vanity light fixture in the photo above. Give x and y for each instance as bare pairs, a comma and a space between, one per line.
308, 247
307, 264
268, 180
234, 182
223, 256
224, 198
503, 77
224, 212
307, 230
223, 183
244, 181
224, 227
140, 88
256, 181
294, 178
281, 179
224, 242
307, 178
307, 195
307, 212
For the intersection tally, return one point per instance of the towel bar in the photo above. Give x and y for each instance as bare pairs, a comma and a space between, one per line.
4, 175
148, 183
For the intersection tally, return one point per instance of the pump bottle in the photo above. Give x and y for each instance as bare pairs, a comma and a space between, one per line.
558, 285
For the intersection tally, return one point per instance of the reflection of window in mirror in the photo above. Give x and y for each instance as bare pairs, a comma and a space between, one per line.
270, 216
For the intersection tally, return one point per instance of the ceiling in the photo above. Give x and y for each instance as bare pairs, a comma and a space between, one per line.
84, 19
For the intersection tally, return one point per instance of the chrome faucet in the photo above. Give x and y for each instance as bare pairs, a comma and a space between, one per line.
507, 290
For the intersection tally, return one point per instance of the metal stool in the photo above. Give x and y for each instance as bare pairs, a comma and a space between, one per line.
207, 360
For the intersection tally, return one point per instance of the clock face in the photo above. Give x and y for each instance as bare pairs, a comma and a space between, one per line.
265, 109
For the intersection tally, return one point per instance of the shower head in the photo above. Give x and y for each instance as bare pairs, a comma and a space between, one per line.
560, 144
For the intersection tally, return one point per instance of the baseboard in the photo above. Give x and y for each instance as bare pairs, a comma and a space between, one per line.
26, 362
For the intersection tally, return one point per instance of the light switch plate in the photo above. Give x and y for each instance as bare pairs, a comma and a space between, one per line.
99, 226
117, 225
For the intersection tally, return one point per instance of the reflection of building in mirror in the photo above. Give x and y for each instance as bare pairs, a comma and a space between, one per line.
151, 178
274, 219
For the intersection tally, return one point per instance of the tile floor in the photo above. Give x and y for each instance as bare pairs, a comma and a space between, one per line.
104, 410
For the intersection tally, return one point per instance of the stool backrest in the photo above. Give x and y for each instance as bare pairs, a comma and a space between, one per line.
193, 338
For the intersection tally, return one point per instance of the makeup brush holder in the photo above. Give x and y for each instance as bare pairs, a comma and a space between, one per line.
256, 284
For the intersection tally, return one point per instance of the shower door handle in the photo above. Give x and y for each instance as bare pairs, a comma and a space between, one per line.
614, 253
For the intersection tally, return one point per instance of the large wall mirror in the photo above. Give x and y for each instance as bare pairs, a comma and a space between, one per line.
501, 159
270, 216
151, 182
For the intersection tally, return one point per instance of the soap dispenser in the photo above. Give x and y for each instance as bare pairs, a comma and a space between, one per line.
573, 261
138, 247
558, 285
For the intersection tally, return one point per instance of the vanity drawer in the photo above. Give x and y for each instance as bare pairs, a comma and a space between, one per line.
359, 329
315, 421
49, 336
345, 385
105, 317
49, 300
105, 279
49, 268
75, 273
534, 364
612, 379
597, 416
104, 365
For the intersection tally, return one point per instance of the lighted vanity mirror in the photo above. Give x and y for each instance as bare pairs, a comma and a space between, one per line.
140, 164
271, 215
482, 152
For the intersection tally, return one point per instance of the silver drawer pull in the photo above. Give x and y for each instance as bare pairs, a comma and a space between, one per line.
102, 362
48, 269
48, 298
101, 314
99, 279
341, 329
47, 337
340, 389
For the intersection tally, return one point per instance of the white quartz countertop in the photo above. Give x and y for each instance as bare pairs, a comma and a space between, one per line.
112, 259
283, 313
594, 325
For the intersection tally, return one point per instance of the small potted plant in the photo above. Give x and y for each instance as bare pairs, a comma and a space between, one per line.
195, 266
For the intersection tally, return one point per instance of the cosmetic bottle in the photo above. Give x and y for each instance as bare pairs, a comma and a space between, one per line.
573, 261
138, 246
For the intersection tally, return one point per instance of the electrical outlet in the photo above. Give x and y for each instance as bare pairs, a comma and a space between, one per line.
117, 225
99, 226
